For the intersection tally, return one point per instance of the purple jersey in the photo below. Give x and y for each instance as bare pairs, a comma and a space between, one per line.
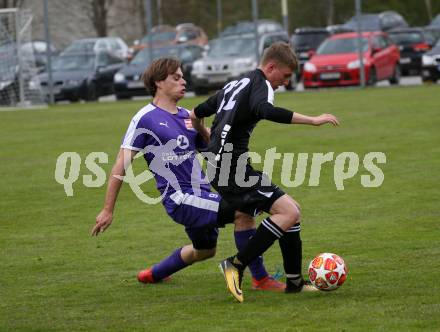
169, 145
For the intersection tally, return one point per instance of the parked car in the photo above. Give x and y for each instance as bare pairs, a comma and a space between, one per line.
384, 21
191, 34
435, 21
305, 42
431, 64
245, 27
128, 80
336, 62
338, 28
81, 76
9, 74
10, 68
166, 35
413, 43
39, 49
229, 58
112, 45
435, 31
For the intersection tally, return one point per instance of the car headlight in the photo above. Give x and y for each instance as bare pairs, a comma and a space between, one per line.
197, 66
34, 85
428, 60
354, 64
119, 77
310, 67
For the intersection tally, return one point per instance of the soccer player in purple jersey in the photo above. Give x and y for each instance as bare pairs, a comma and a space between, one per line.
163, 132
238, 107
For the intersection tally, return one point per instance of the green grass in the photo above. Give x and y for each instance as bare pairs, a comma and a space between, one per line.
55, 277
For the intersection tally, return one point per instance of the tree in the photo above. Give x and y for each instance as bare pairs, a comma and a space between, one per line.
428, 5
99, 16
330, 12
10, 3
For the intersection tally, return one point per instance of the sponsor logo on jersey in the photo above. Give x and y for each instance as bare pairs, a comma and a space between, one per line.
188, 124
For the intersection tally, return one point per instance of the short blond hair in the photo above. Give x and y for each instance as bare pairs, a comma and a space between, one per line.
282, 53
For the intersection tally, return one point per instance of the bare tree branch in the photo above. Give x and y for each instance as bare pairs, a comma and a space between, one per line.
428, 5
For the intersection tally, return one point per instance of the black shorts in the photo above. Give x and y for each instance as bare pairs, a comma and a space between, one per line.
253, 200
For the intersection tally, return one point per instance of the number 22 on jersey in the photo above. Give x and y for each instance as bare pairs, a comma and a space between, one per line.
235, 87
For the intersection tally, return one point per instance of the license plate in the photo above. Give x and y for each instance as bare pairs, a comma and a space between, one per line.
135, 84
304, 55
330, 76
405, 60
217, 79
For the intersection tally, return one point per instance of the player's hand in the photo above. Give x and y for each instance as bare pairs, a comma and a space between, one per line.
206, 134
325, 118
103, 221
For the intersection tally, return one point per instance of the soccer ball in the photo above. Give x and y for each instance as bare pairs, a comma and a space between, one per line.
327, 271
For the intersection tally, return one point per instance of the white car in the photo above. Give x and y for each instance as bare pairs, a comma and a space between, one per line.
229, 58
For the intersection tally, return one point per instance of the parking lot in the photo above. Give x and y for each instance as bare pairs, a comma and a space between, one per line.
405, 81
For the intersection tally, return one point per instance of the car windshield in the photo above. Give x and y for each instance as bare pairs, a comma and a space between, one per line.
143, 57
80, 46
311, 40
368, 23
407, 37
227, 47
249, 27
342, 45
160, 37
436, 21
74, 62
436, 48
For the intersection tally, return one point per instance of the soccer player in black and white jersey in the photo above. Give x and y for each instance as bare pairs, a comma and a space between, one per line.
238, 107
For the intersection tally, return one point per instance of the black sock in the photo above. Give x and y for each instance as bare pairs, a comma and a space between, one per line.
291, 249
265, 236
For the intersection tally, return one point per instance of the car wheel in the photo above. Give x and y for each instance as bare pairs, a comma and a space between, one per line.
395, 79
92, 93
372, 78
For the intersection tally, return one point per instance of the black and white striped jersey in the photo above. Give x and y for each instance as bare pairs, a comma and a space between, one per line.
238, 107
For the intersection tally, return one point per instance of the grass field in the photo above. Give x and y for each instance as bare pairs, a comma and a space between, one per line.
55, 277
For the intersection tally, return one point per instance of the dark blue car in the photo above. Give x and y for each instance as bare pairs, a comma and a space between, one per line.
81, 76
128, 82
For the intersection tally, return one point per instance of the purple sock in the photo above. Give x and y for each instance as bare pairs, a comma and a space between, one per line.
257, 268
169, 265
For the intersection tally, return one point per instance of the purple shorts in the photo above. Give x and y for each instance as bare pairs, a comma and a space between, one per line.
200, 215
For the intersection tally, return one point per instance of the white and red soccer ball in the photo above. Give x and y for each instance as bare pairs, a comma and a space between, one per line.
327, 271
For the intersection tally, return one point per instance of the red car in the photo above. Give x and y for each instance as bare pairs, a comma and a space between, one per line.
336, 62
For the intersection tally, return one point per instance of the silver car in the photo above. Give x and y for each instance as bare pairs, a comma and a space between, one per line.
229, 58
113, 45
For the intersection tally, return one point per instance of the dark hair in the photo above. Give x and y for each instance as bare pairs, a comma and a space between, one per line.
158, 71
281, 53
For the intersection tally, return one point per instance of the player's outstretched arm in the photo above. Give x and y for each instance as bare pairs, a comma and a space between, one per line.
105, 217
298, 118
198, 124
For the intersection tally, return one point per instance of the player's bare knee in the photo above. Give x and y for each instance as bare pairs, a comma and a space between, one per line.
293, 215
